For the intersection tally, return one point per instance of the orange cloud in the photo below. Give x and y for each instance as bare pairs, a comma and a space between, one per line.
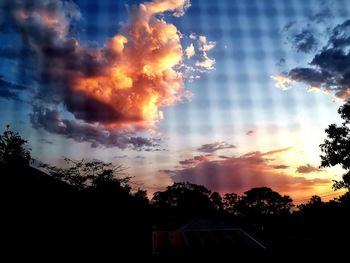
125, 83
118, 87
141, 77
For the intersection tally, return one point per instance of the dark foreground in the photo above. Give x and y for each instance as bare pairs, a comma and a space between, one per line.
45, 216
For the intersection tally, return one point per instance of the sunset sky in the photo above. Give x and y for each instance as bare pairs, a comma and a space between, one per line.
230, 94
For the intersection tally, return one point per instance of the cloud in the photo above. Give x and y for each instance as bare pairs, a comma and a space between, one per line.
307, 35
206, 62
216, 146
267, 153
193, 36
9, 90
160, 6
45, 141
308, 168
121, 156
205, 45
250, 133
83, 132
237, 174
121, 85
189, 51
282, 82
280, 166
323, 16
329, 70
195, 160
305, 41
10, 53
198, 49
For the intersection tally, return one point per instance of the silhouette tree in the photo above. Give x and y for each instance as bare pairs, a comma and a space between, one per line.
82, 174
14, 153
216, 201
336, 148
230, 201
314, 204
140, 194
183, 196
264, 201
181, 202
104, 206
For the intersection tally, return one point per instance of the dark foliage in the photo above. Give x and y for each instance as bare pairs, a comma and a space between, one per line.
89, 207
336, 148
13, 150
263, 201
179, 203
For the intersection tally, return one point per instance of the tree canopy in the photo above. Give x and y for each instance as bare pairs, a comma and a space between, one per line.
183, 196
83, 173
336, 147
14, 153
264, 201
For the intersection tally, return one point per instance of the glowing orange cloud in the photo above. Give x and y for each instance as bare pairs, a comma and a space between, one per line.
124, 83
142, 75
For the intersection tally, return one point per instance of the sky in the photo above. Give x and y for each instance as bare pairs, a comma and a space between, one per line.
230, 94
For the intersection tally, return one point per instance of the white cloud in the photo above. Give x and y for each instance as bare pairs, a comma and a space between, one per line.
206, 45
189, 51
206, 63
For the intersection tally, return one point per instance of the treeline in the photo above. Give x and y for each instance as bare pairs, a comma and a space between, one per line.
91, 205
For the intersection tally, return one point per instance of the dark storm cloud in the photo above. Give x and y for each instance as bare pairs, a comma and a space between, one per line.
45, 27
216, 146
8, 94
10, 90
311, 76
9, 53
89, 109
306, 36
302, 39
329, 69
340, 37
23, 61
305, 41
237, 174
83, 132
308, 168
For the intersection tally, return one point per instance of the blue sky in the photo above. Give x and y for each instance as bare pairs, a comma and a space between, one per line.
254, 40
